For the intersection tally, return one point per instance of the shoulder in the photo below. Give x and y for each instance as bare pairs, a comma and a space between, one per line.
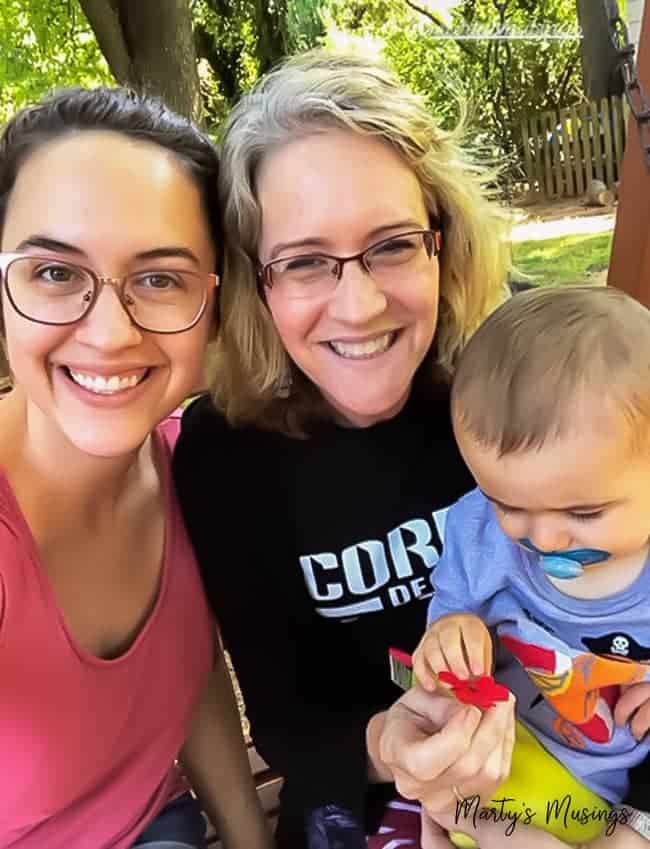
203, 426
473, 522
435, 442
14, 545
10, 536
220, 469
201, 418
473, 504
205, 438
16, 552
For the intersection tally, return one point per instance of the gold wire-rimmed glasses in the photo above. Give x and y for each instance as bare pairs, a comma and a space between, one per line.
48, 290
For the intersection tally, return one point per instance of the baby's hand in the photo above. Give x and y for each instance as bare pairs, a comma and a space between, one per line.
633, 706
459, 643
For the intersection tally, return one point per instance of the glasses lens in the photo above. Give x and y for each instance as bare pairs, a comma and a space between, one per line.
49, 290
400, 250
165, 301
304, 276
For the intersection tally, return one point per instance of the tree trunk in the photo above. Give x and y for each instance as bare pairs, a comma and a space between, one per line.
600, 67
629, 267
149, 45
270, 26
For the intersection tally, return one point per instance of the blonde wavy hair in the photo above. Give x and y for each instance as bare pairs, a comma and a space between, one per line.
251, 377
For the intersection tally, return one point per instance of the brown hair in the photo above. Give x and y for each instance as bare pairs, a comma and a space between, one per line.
114, 109
315, 92
525, 373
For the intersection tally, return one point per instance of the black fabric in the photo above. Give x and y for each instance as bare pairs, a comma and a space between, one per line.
287, 532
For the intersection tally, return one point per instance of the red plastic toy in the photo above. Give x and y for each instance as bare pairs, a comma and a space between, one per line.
482, 691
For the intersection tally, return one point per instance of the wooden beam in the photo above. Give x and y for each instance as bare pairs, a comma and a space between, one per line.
629, 267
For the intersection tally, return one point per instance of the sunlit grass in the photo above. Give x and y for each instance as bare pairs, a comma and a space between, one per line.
565, 259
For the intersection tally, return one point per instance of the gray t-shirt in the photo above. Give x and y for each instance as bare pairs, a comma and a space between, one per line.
564, 658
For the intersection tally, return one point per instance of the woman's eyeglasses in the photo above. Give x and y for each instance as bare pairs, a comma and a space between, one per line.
318, 274
52, 291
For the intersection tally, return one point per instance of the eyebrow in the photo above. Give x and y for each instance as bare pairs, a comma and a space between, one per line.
568, 509
48, 244
314, 241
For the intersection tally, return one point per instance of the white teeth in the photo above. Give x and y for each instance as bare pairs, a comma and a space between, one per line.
106, 385
360, 350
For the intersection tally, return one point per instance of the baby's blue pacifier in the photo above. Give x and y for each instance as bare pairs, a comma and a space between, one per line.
566, 564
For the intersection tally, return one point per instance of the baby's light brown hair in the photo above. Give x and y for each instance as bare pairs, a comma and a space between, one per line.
546, 359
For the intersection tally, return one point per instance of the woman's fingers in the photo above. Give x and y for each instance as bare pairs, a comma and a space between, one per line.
423, 758
436, 749
486, 763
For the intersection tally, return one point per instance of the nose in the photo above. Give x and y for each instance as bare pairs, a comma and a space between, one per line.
357, 299
548, 533
108, 325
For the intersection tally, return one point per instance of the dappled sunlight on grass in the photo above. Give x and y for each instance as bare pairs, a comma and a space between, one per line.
565, 259
535, 228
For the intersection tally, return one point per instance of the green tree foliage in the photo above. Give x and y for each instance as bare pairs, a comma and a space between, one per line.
238, 40
499, 82
43, 46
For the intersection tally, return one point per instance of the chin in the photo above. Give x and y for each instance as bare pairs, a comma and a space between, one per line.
106, 444
364, 415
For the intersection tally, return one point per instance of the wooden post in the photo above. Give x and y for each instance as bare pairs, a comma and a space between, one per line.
629, 267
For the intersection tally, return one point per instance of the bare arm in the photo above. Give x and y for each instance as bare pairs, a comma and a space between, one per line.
216, 763
378, 772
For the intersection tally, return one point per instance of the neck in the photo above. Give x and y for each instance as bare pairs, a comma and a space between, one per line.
46, 469
604, 579
351, 419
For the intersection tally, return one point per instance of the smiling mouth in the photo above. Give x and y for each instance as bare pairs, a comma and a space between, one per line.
364, 350
106, 385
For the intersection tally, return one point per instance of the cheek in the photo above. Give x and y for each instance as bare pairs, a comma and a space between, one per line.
294, 321
628, 531
28, 344
513, 525
187, 355
420, 303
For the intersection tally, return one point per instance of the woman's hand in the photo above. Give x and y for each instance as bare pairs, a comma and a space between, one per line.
436, 749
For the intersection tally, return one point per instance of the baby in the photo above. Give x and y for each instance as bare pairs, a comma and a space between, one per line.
547, 560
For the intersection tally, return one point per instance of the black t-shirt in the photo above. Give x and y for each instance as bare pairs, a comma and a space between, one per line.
316, 555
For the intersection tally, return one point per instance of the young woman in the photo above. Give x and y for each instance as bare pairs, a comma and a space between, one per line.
112, 691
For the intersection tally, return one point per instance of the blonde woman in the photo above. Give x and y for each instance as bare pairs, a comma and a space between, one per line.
315, 480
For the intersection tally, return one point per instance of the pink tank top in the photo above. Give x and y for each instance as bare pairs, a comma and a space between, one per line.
88, 745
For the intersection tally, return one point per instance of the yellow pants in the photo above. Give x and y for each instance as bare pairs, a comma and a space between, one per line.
541, 793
